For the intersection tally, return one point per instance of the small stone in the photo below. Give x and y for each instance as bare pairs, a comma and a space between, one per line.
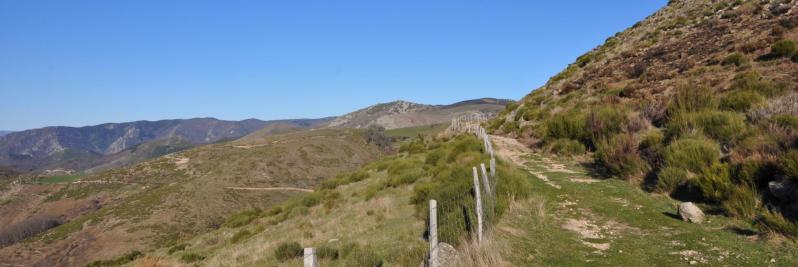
772, 260
690, 212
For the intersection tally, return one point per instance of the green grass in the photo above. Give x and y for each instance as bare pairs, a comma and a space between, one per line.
410, 132
59, 179
640, 228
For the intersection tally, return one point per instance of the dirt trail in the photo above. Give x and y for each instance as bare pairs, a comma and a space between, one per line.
272, 189
510, 149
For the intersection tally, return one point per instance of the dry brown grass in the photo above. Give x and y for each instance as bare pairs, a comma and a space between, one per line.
150, 261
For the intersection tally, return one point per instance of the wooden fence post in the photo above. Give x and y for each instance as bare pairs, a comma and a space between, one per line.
485, 179
310, 258
478, 197
493, 168
433, 233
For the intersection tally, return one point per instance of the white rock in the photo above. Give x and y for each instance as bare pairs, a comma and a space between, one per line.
690, 212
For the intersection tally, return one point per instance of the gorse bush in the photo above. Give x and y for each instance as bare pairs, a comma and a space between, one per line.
288, 250
652, 147
723, 126
789, 165
571, 126
735, 59
566, 147
715, 182
692, 99
753, 82
741, 100
670, 178
605, 121
743, 202
775, 222
242, 218
692, 154
784, 48
618, 155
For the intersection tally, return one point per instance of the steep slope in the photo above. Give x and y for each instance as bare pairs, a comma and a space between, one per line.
116, 144
157, 202
403, 114
697, 101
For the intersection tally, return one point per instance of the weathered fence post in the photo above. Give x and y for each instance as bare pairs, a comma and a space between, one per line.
478, 199
310, 258
485, 179
433, 233
493, 167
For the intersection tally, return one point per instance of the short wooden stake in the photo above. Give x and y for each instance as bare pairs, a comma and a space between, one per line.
485, 179
310, 258
433, 233
478, 197
493, 168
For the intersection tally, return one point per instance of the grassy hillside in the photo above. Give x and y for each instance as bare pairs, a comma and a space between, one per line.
162, 201
696, 101
376, 214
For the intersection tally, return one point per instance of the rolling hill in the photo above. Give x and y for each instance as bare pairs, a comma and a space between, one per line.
118, 144
403, 114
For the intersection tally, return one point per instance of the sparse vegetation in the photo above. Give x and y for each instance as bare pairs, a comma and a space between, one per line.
566, 147
736, 59
128, 257
784, 49
288, 250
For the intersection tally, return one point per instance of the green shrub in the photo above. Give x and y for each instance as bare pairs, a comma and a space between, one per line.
743, 202
784, 48
785, 120
358, 256
126, 258
566, 147
774, 222
741, 100
571, 126
789, 164
242, 218
652, 147
714, 182
325, 252
312, 199
618, 156
511, 127
191, 257
240, 235
288, 250
735, 59
605, 121
358, 176
752, 81
692, 154
414, 147
670, 178
692, 99
724, 126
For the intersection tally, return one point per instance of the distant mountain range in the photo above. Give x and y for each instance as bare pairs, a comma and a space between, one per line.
402, 114
110, 145
116, 144
5, 132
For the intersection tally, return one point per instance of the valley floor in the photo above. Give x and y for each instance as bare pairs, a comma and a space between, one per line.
574, 219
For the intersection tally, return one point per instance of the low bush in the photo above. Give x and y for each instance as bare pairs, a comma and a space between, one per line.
741, 100
789, 165
689, 98
605, 121
325, 252
571, 126
288, 250
715, 182
774, 222
566, 147
191, 257
242, 218
735, 59
126, 258
670, 178
743, 202
724, 126
312, 199
784, 48
752, 81
619, 156
359, 256
240, 235
692, 154
652, 147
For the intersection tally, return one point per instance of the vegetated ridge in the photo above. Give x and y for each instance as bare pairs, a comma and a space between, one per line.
403, 114
698, 101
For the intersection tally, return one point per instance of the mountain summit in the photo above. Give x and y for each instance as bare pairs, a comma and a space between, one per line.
402, 114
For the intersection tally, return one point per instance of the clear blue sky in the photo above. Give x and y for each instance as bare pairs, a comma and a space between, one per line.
79, 63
